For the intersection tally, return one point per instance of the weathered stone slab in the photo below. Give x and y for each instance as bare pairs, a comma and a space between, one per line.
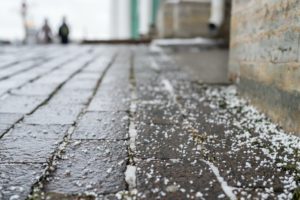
7, 120
78, 84
152, 93
115, 78
3, 130
114, 91
177, 180
100, 104
86, 74
16, 180
35, 90
102, 125
90, 166
163, 142
14, 148
67, 97
20, 104
159, 114
39, 131
55, 114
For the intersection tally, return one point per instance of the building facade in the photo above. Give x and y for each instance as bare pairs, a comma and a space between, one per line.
265, 57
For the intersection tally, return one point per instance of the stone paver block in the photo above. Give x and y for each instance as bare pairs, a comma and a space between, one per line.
16, 179
35, 90
77, 84
163, 142
177, 180
66, 97
102, 125
114, 92
101, 104
159, 114
14, 148
90, 166
9, 118
55, 114
39, 131
20, 104
152, 93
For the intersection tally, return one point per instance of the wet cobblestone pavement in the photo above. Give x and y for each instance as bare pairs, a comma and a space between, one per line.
120, 122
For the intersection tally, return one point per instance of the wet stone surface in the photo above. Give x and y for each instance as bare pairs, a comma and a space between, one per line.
20, 104
9, 118
164, 114
16, 180
110, 105
73, 97
15, 148
90, 166
174, 179
103, 125
163, 142
39, 131
35, 90
124, 123
55, 114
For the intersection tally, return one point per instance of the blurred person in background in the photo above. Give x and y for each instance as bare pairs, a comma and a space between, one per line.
64, 32
46, 33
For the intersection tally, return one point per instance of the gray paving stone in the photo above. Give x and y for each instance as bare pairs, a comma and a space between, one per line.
101, 104
90, 166
102, 125
117, 80
114, 91
244, 168
159, 114
152, 93
20, 104
62, 196
39, 131
147, 78
177, 180
14, 148
55, 114
79, 84
67, 97
36, 90
9, 118
87, 75
3, 130
163, 142
16, 179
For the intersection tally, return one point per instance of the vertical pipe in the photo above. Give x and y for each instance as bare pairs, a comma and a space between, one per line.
134, 20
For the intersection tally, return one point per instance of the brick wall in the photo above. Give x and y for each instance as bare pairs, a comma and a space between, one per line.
265, 56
